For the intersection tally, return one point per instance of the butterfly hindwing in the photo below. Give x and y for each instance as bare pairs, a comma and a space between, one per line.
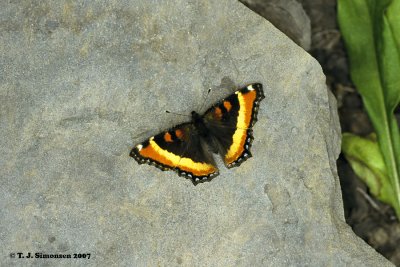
180, 149
230, 122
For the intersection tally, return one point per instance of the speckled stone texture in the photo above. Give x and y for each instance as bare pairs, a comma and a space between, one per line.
83, 81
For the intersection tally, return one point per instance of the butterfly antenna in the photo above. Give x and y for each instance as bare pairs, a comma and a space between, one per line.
205, 99
170, 112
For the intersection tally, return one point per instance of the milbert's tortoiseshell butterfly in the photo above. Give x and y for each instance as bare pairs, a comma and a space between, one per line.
225, 128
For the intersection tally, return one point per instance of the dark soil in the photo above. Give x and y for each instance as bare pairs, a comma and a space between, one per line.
371, 220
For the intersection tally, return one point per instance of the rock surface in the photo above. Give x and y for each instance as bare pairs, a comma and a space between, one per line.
82, 82
288, 16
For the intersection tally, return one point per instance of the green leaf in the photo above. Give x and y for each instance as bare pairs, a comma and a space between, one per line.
366, 159
371, 31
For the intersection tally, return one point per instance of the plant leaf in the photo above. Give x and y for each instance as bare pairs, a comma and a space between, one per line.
371, 31
366, 160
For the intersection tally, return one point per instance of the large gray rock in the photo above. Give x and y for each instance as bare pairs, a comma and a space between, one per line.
81, 83
288, 16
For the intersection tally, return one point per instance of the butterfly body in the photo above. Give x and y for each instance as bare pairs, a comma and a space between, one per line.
225, 128
199, 124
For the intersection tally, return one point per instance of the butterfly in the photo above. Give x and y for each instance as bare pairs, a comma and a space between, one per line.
225, 128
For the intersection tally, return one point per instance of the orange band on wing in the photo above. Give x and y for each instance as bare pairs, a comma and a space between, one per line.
179, 133
217, 113
228, 106
168, 137
246, 101
156, 153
